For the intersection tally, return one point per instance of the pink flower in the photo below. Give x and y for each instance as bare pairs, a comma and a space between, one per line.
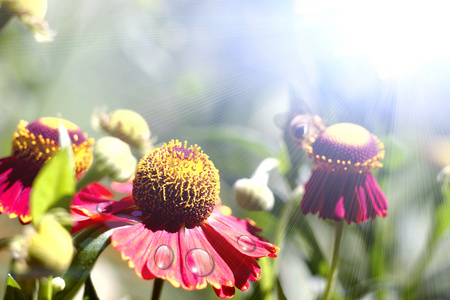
341, 184
177, 229
32, 146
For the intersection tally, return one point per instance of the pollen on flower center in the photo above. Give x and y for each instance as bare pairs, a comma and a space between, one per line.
347, 147
38, 141
176, 184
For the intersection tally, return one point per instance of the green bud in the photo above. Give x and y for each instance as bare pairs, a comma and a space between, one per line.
127, 125
115, 158
253, 195
112, 158
50, 247
31, 13
444, 175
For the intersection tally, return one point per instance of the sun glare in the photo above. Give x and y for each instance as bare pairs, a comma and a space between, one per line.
398, 36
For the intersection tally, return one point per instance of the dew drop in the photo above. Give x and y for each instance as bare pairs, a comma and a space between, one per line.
104, 208
246, 243
199, 262
163, 257
136, 213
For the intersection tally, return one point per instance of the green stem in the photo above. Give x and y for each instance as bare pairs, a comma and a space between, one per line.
157, 288
45, 288
337, 245
92, 175
267, 282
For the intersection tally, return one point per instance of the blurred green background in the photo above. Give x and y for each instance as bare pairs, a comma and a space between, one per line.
216, 73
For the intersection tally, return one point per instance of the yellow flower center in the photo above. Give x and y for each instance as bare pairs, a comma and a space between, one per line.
38, 141
176, 185
347, 147
348, 134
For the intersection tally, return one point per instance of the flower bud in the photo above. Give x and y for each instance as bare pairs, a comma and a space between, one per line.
50, 247
253, 195
31, 13
444, 176
126, 125
112, 158
58, 284
115, 157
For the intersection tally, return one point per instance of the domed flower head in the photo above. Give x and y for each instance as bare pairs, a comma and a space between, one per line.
342, 185
32, 146
180, 232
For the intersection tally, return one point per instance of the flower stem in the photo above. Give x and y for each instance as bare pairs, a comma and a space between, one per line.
157, 288
45, 288
337, 243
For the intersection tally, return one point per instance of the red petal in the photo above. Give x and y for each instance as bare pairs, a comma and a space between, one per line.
225, 292
97, 189
133, 243
235, 232
244, 267
122, 187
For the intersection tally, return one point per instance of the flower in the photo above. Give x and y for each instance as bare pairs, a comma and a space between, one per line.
32, 146
179, 230
342, 185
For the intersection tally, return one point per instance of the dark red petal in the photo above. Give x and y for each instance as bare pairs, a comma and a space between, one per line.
225, 292
314, 193
354, 211
16, 178
377, 199
340, 195
334, 190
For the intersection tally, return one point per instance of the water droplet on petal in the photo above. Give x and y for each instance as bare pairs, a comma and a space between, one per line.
246, 243
136, 213
199, 262
104, 208
163, 257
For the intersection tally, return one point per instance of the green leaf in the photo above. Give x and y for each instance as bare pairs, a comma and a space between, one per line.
13, 290
436, 274
88, 250
294, 276
54, 186
280, 292
89, 290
